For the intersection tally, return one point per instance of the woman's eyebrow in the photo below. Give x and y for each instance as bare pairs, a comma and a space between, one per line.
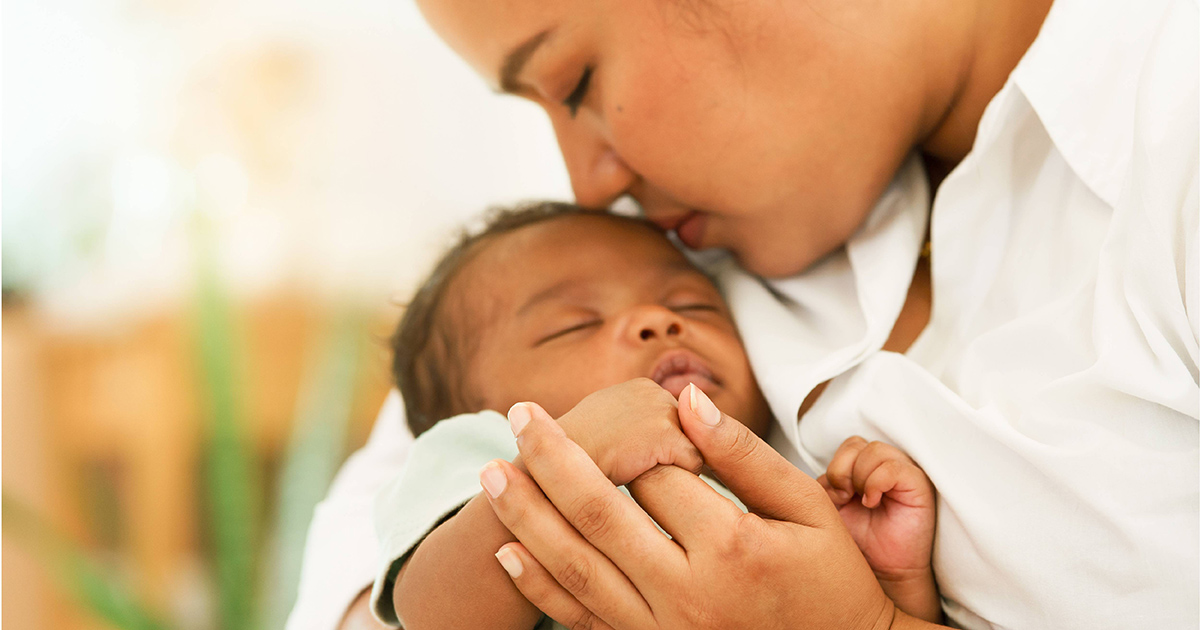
514, 62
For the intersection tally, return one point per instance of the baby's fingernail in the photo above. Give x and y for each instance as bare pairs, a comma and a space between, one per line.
492, 479
704, 408
519, 416
842, 495
511, 563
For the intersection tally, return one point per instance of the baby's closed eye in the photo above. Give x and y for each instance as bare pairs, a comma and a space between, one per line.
568, 330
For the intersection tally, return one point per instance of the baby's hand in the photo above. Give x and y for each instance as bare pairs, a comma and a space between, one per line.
888, 504
630, 428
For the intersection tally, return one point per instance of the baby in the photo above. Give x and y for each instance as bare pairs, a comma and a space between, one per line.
555, 305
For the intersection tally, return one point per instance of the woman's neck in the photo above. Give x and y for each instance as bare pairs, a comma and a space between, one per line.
999, 33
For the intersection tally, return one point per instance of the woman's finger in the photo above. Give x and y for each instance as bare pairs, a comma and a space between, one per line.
574, 563
683, 505
609, 520
540, 588
766, 482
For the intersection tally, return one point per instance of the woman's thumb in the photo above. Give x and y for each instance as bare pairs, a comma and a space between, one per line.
768, 484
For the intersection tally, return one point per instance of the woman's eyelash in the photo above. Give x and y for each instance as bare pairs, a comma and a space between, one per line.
567, 331
575, 98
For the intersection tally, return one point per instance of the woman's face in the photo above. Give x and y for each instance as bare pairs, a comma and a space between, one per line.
768, 128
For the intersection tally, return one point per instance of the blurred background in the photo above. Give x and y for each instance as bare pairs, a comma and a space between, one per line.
212, 214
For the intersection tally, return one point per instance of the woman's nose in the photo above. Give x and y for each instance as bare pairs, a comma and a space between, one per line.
598, 175
653, 323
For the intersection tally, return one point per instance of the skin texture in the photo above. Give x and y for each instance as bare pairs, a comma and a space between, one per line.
780, 123
626, 296
890, 508
615, 298
605, 585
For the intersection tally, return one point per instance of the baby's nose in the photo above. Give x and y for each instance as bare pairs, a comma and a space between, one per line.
649, 332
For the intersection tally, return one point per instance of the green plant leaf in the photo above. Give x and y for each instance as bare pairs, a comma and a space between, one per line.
77, 573
315, 449
231, 480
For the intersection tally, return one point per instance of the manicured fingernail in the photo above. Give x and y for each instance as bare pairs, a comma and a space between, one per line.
704, 408
511, 563
519, 416
492, 479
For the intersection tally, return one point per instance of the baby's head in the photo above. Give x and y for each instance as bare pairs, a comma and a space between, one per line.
550, 303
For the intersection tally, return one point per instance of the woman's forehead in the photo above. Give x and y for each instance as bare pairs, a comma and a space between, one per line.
487, 34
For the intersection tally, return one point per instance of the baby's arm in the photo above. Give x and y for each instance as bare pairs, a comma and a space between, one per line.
890, 508
452, 579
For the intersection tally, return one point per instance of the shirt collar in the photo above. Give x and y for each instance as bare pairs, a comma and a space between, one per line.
1079, 75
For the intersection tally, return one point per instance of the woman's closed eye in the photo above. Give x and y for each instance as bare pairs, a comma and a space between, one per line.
575, 98
580, 327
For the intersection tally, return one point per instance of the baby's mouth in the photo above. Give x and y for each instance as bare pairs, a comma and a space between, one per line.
677, 368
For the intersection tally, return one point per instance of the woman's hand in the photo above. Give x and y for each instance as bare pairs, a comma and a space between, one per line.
591, 558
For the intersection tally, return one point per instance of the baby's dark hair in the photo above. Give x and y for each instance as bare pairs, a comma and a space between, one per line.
429, 352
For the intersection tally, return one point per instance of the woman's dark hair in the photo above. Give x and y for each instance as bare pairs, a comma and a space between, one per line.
430, 352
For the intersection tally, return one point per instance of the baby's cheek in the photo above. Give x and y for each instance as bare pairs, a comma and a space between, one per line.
559, 386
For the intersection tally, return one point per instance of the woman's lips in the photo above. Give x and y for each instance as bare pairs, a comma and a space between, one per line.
688, 227
691, 229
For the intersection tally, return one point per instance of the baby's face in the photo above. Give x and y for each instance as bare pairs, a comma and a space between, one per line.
576, 304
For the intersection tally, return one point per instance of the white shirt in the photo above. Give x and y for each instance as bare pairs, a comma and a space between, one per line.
1052, 398
342, 553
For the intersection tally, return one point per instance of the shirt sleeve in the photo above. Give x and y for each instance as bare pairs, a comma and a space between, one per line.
341, 552
441, 475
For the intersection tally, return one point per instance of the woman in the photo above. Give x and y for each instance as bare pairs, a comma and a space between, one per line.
1052, 396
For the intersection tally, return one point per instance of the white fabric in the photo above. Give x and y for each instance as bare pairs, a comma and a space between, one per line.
804, 330
440, 476
1053, 399
341, 556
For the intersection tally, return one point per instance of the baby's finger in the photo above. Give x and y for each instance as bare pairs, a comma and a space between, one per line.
839, 497
873, 456
841, 468
879, 482
540, 588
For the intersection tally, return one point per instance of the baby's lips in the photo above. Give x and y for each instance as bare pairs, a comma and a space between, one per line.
676, 368
677, 382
